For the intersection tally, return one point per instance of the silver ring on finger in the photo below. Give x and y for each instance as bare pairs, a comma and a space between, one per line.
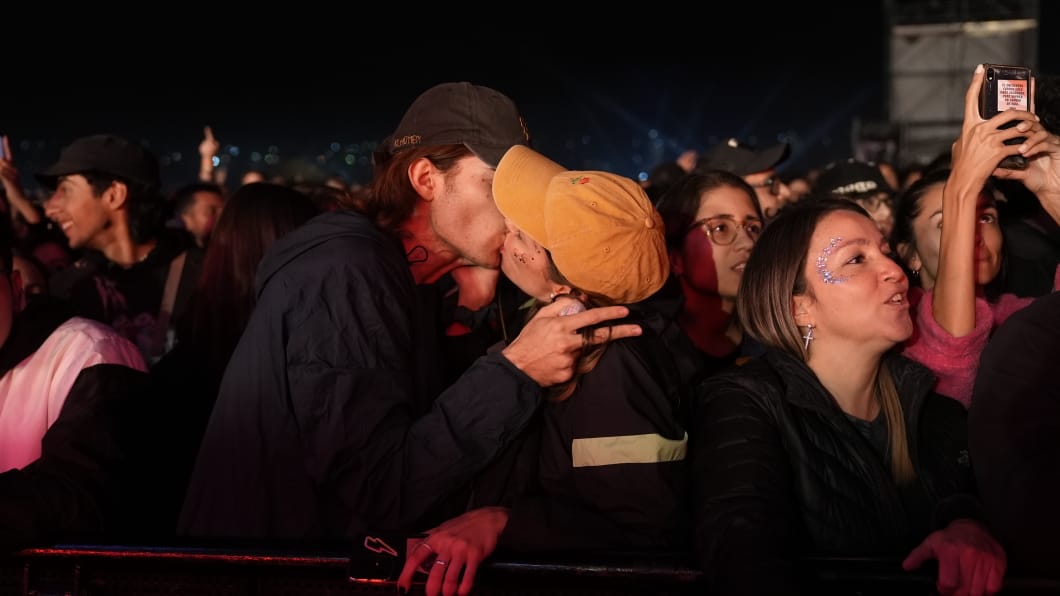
441, 562
424, 544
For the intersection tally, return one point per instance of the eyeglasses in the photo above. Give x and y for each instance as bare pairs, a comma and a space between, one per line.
722, 230
772, 183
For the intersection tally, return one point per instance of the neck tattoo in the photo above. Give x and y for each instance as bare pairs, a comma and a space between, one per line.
417, 254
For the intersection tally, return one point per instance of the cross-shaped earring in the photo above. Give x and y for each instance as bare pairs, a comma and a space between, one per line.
808, 337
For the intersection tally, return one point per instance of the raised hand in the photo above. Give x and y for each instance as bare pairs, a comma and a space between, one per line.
209, 146
549, 345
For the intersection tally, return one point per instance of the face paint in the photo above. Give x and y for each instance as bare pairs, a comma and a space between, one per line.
822, 264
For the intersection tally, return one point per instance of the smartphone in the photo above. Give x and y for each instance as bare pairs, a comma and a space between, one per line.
1005, 87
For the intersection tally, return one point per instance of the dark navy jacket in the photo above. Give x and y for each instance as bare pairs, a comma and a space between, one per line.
326, 423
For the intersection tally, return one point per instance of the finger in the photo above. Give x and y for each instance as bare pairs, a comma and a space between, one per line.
7, 148
452, 574
420, 554
980, 576
949, 574
407, 572
414, 558
971, 97
468, 581
433, 587
996, 577
614, 332
207, 131
917, 556
594, 316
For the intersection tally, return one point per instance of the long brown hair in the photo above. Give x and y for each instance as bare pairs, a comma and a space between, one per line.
774, 275
252, 219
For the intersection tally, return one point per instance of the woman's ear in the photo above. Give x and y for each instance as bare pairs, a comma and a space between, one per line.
802, 310
677, 263
914, 263
909, 255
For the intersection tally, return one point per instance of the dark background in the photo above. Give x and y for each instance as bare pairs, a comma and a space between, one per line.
595, 95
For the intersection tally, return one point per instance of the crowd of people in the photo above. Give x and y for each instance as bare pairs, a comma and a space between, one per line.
795, 365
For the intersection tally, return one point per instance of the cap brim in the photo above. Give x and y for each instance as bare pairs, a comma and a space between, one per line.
767, 159
491, 154
50, 176
519, 188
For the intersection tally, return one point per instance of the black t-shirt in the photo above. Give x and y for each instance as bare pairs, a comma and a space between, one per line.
127, 299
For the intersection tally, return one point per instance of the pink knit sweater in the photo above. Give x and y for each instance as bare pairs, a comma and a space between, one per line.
955, 360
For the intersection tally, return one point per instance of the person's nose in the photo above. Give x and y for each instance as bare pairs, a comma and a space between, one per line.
892, 271
51, 206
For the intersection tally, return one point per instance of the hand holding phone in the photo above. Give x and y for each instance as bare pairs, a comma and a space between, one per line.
1006, 87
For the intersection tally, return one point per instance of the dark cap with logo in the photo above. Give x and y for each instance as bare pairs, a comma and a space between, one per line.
852, 178
483, 119
104, 154
742, 159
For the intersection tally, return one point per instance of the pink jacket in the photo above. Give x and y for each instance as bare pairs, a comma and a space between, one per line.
955, 360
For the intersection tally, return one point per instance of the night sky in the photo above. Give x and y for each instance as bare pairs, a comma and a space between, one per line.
594, 99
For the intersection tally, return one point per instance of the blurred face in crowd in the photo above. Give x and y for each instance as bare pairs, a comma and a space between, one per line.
52, 255
526, 263
463, 215
879, 208
83, 217
927, 231
201, 216
716, 247
772, 193
856, 293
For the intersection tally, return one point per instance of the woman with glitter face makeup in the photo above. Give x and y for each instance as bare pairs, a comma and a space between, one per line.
831, 442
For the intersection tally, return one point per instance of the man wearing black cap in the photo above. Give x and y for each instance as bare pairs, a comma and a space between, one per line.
107, 202
331, 418
863, 183
756, 166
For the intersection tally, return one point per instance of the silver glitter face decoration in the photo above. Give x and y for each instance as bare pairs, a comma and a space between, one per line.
822, 264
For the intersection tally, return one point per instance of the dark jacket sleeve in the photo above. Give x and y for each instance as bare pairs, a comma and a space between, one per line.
72, 488
743, 503
353, 399
318, 404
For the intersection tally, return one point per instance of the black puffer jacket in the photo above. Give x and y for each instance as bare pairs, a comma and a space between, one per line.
781, 472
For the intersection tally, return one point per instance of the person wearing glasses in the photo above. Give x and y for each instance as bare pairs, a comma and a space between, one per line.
758, 167
862, 182
713, 220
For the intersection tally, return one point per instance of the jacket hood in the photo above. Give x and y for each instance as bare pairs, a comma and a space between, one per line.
316, 231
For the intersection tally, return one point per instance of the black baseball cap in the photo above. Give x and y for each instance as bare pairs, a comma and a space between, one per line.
742, 159
105, 154
483, 119
852, 178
